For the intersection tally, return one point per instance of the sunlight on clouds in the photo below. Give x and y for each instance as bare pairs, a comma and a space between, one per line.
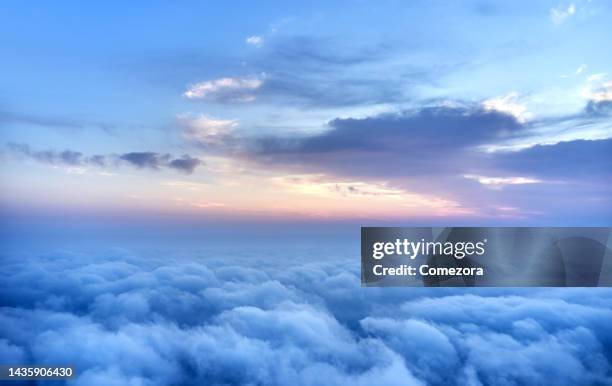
509, 104
206, 130
230, 89
189, 185
317, 185
598, 92
500, 182
366, 196
553, 133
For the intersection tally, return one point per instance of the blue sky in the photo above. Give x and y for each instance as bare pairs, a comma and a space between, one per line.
402, 111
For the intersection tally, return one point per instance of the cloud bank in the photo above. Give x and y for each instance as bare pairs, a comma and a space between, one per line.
142, 160
223, 318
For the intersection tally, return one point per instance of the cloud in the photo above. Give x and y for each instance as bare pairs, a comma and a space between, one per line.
583, 159
225, 89
580, 69
598, 93
207, 131
445, 140
58, 123
561, 13
186, 164
599, 109
322, 72
255, 40
428, 141
500, 182
425, 150
508, 104
326, 187
145, 159
123, 318
141, 160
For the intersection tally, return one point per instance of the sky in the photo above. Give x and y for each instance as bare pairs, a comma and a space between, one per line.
130, 128
352, 111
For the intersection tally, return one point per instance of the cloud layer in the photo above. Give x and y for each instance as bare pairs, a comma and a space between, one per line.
142, 160
224, 318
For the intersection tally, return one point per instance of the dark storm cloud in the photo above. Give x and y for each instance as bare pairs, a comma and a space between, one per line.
125, 319
143, 160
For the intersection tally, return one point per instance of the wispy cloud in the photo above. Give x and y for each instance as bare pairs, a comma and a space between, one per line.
205, 130
142, 160
226, 89
509, 104
500, 182
559, 14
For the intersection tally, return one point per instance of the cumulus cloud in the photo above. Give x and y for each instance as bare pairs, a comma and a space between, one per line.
229, 319
141, 160
255, 40
225, 89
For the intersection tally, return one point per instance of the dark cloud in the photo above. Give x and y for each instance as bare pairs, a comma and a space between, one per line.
265, 319
432, 128
143, 160
436, 142
598, 109
582, 159
429, 141
185, 164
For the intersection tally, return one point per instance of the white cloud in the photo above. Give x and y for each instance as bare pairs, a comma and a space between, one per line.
255, 40
559, 14
597, 77
580, 69
500, 182
225, 89
598, 93
206, 130
508, 104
